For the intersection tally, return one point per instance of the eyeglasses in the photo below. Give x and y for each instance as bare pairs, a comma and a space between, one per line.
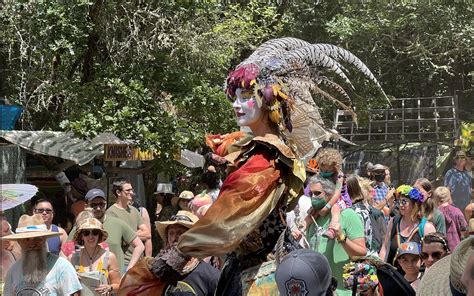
460, 157
94, 232
180, 218
99, 205
316, 193
435, 255
40, 211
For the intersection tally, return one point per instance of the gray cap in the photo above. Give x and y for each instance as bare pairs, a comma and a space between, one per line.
379, 167
93, 193
303, 272
408, 248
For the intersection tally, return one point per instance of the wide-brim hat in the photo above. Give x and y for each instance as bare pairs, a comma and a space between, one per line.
184, 218
447, 272
31, 227
90, 224
186, 195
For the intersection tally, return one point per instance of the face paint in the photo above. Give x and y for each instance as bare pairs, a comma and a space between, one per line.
246, 109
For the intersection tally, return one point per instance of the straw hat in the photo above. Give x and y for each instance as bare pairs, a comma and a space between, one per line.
89, 224
186, 195
30, 227
447, 272
184, 218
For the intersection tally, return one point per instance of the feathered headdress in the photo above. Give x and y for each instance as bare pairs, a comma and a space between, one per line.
284, 74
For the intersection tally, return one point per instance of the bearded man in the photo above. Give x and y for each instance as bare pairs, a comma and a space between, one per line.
38, 272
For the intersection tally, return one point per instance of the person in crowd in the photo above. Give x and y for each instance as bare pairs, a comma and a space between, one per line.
351, 237
305, 272
202, 277
458, 180
296, 220
200, 204
469, 210
434, 246
122, 189
213, 182
92, 261
70, 247
452, 275
44, 208
39, 272
382, 189
182, 202
407, 226
429, 208
119, 233
330, 161
146, 219
164, 196
408, 257
6, 251
456, 224
11, 246
361, 206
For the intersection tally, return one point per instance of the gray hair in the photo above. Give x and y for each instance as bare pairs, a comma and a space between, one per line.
328, 186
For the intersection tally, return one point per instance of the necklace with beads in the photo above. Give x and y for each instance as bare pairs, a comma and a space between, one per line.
91, 258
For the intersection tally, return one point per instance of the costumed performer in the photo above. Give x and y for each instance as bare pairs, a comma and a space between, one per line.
272, 93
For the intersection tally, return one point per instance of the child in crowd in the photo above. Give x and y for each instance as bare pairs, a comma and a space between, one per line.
408, 256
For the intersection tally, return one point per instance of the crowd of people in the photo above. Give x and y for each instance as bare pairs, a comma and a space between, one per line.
272, 226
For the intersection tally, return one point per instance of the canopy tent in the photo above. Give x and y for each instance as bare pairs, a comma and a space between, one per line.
60, 144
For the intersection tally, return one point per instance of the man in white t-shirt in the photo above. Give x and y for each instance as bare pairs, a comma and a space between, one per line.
38, 272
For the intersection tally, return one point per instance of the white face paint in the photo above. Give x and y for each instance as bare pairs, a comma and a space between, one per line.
246, 109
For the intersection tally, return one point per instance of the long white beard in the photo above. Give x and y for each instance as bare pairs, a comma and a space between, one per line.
35, 266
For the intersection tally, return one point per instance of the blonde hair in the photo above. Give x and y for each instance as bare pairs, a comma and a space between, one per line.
329, 156
442, 195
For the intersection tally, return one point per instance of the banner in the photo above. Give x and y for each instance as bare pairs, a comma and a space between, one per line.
121, 152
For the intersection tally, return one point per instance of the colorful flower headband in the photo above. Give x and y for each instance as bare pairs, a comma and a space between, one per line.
413, 193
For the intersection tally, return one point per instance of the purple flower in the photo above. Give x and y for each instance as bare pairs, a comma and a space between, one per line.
416, 195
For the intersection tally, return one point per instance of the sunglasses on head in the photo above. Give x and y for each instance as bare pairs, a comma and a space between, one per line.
435, 255
180, 218
94, 232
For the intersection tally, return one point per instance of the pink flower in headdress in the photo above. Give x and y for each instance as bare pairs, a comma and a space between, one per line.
241, 78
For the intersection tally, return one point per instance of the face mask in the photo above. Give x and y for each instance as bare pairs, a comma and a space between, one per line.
326, 174
318, 203
379, 178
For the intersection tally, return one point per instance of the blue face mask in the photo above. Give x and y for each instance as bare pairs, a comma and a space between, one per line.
326, 174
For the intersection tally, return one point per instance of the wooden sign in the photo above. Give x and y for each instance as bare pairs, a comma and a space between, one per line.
121, 152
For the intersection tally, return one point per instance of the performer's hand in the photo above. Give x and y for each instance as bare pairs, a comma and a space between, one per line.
297, 234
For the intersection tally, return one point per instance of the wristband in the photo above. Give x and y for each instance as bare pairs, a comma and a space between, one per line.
328, 205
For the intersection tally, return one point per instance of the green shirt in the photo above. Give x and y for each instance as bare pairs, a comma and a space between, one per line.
351, 225
131, 216
119, 234
438, 221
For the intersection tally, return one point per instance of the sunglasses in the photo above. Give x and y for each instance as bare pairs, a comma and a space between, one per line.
94, 232
40, 211
435, 255
316, 193
180, 218
404, 201
100, 205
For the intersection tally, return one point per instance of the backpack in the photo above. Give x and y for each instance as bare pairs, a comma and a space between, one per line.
378, 227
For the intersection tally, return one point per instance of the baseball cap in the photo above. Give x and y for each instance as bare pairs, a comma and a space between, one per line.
303, 272
93, 193
460, 153
379, 167
409, 248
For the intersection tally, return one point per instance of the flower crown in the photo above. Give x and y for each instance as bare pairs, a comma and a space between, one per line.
413, 193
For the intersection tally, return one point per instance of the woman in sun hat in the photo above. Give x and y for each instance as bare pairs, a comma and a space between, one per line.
92, 261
